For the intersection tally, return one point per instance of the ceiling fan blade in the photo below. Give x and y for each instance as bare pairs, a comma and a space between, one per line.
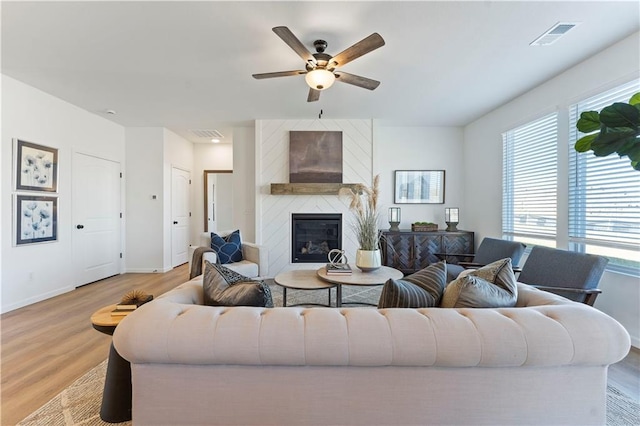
356, 80
314, 95
278, 74
288, 37
362, 47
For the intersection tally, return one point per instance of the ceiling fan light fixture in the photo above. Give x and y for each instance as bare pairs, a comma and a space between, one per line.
320, 79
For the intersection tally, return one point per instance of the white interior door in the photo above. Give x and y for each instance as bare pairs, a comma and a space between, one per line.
180, 206
96, 218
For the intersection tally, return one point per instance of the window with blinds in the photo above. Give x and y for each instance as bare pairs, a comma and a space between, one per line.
529, 182
604, 194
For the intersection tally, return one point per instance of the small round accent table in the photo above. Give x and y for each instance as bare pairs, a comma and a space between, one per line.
357, 277
302, 279
116, 397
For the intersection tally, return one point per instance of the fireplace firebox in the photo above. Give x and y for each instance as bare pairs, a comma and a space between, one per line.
313, 235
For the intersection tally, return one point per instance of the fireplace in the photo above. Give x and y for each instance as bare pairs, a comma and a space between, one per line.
313, 235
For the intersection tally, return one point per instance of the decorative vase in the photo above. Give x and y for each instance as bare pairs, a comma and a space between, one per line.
368, 260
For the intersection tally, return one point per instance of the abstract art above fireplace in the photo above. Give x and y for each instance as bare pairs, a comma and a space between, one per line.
315, 157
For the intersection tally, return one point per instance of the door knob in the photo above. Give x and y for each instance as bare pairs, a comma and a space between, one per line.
175, 222
80, 226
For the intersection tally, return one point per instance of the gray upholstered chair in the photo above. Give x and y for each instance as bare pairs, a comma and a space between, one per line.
570, 274
490, 250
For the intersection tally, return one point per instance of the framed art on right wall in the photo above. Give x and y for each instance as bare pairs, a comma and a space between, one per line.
419, 187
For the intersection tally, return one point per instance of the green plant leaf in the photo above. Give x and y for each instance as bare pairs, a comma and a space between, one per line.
630, 144
620, 115
636, 165
589, 122
584, 143
608, 143
633, 152
635, 99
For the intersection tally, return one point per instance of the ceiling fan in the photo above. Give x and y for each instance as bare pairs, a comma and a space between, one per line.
320, 72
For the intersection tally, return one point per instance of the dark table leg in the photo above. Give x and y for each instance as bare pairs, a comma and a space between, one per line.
116, 398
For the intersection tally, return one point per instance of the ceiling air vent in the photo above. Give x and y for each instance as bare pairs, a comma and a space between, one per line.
553, 34
208, 134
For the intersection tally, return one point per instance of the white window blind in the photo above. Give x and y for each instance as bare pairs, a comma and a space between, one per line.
604, 194
529, 179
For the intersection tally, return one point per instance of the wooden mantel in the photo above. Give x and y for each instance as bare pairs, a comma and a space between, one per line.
310, 188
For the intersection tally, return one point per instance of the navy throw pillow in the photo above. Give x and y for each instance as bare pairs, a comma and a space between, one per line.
229, 248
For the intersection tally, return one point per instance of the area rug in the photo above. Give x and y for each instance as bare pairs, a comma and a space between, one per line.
79, 404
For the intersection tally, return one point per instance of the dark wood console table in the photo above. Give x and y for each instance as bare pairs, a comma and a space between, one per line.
411, 251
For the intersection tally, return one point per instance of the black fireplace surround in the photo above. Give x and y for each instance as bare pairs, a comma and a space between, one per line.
313, 235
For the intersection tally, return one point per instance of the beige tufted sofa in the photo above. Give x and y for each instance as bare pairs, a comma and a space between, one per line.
542, 362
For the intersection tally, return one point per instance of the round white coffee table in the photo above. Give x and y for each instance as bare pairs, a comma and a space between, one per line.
302, 279
357, 277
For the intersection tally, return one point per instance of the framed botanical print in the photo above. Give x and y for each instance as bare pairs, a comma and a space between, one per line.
419, 187
36, 219
36, 167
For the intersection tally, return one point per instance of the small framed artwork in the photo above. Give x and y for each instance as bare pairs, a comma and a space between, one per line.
36, 219
419, 187
36, 167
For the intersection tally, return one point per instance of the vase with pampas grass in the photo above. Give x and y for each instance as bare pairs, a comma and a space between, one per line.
363, 202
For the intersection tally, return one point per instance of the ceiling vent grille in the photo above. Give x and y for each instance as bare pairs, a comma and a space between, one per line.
208, 134
553, 34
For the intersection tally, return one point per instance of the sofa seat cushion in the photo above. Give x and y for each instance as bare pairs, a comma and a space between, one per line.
224, 287
422, 289
492, 286
228, 248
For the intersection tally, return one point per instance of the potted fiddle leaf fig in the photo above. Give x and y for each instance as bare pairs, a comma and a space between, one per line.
615, 129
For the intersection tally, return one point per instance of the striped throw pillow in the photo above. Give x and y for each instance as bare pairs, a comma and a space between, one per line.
422, 289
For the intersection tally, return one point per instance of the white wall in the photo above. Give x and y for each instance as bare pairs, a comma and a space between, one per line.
35, 272
421, 148
483, 159
152, 152
144, 214
244, 181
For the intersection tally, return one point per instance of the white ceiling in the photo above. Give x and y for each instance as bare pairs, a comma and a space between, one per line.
188, 65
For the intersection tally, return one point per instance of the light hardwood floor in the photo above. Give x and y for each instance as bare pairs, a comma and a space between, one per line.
46, 346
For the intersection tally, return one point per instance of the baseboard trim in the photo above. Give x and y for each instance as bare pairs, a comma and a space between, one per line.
147, 271
36, 299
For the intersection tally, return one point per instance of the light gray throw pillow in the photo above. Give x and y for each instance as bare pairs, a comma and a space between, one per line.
492, 286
